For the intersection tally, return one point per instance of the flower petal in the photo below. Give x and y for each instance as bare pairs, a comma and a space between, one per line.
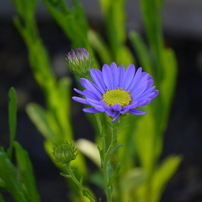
139, 84
98, 80
150, 83
96, 95
139, 90
136, 112
104, 105
133, 104
115, 74
116, 107
81, 100
128, 77
78, 91
107, 77
115, 119
121, 76
146, 93
155, 93
93, 102
136, 78
88, 84
130, 106
90, 110
111, 113
146, 101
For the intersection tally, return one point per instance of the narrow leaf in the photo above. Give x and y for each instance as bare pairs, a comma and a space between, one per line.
115, 174
26, 173
115, 148
39, 116
1, 198
163, 174
100, 46
142, 52
12, 109
65, 175
9, 176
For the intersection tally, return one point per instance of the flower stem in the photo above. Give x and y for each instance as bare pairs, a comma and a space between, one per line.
98, 122
108, 188
84, 191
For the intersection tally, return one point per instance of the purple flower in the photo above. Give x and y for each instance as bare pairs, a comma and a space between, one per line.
116, 91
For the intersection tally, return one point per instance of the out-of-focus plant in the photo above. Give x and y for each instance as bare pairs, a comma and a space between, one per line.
53, 122
20, 182
142, 177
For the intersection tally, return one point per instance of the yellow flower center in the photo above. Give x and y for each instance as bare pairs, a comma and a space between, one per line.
117, 96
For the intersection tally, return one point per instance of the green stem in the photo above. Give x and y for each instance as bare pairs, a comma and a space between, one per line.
108, 189
98, 122
84, 191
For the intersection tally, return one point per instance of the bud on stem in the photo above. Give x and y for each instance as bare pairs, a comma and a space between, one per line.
79, 62
64, 153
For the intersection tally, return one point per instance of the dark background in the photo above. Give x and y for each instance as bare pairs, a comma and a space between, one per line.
183, 33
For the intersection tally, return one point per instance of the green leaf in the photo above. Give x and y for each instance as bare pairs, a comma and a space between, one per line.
151, 13
168, 84
115, 16
26, 173
65, 175
124, 56
130, 182
40, 118
115, 19
115, 148
100, 47
142, 52
109, 171
114, 175
12, 119
166, 170
9, 176
71, 22
1, 198
63, 107
2, 184
104, 5
97, 179
145, 141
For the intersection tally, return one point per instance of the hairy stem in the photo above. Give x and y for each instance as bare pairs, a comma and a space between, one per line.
106, 159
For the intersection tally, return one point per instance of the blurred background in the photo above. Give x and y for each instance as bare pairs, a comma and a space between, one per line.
183, 33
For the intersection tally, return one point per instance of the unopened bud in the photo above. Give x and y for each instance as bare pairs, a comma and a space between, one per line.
79, 62
64, 153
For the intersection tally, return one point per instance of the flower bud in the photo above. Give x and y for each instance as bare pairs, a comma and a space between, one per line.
79, 62
64, 153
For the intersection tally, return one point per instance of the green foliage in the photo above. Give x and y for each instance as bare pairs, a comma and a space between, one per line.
9, 176
19, 183
54, 123
152, 17
41, 119
142, 136
12, 119
1, 198
161, 176
23, 189
71, 21
26, 173
114, 17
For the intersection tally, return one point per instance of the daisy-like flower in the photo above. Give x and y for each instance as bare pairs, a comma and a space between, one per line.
116, 91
